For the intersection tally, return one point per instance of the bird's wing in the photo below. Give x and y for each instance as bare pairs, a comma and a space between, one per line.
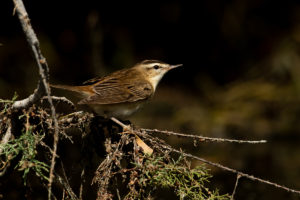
92, 81
114, 90
105, 79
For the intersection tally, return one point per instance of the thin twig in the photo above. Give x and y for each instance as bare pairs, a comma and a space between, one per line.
43, 86
6, 137
63, 194
203, 138
6, 101
69, 118
61, 99
104, 171
126, 128
46, 186
238, 176
66, 186
64, 181
4, 141
118, 194
81, 185
251, 177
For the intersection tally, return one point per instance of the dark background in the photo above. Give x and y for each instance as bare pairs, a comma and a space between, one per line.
241, 74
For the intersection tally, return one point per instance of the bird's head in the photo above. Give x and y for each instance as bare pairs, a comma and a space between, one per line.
154, 70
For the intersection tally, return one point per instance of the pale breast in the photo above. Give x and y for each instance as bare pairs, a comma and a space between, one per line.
116, 110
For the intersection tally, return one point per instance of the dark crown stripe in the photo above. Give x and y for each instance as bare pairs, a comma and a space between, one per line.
152, 61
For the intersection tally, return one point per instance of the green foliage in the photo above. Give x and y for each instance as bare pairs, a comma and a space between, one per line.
25, 148
177, 175
7, 103
22, 148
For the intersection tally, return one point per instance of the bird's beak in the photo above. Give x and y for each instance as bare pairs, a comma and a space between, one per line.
174, 66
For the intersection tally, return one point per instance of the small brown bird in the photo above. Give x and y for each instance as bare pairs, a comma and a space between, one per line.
122, 92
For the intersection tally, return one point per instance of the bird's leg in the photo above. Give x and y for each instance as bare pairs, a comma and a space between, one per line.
126, 128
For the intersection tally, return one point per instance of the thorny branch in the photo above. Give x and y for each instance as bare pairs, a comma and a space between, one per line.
251, 177
141, 132
203, 138
43, 86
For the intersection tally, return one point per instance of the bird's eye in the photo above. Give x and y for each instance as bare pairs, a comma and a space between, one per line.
156, 67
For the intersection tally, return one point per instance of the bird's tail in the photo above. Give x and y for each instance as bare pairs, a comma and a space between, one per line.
82, 90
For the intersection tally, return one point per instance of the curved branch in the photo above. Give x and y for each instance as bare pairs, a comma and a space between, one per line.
43, 85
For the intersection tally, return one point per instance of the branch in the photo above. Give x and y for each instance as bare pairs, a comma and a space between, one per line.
43, 86
65, 183
126, 128
6, 137
251, 177
238, 176
41, 61
4, 141
202, 138
61, 99
140, 143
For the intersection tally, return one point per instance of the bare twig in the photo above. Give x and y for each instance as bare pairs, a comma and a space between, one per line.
202, 138
41, 62
238, 176
63, 194
126, 128
4, 141
118, 194
251, 177
104, 170
61, 99
53, 196
81, 185
6, 165
66, 186
6, 137
64, 181
43, 86
51, 174
69, 118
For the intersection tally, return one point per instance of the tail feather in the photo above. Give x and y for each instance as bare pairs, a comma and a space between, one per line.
82, 90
